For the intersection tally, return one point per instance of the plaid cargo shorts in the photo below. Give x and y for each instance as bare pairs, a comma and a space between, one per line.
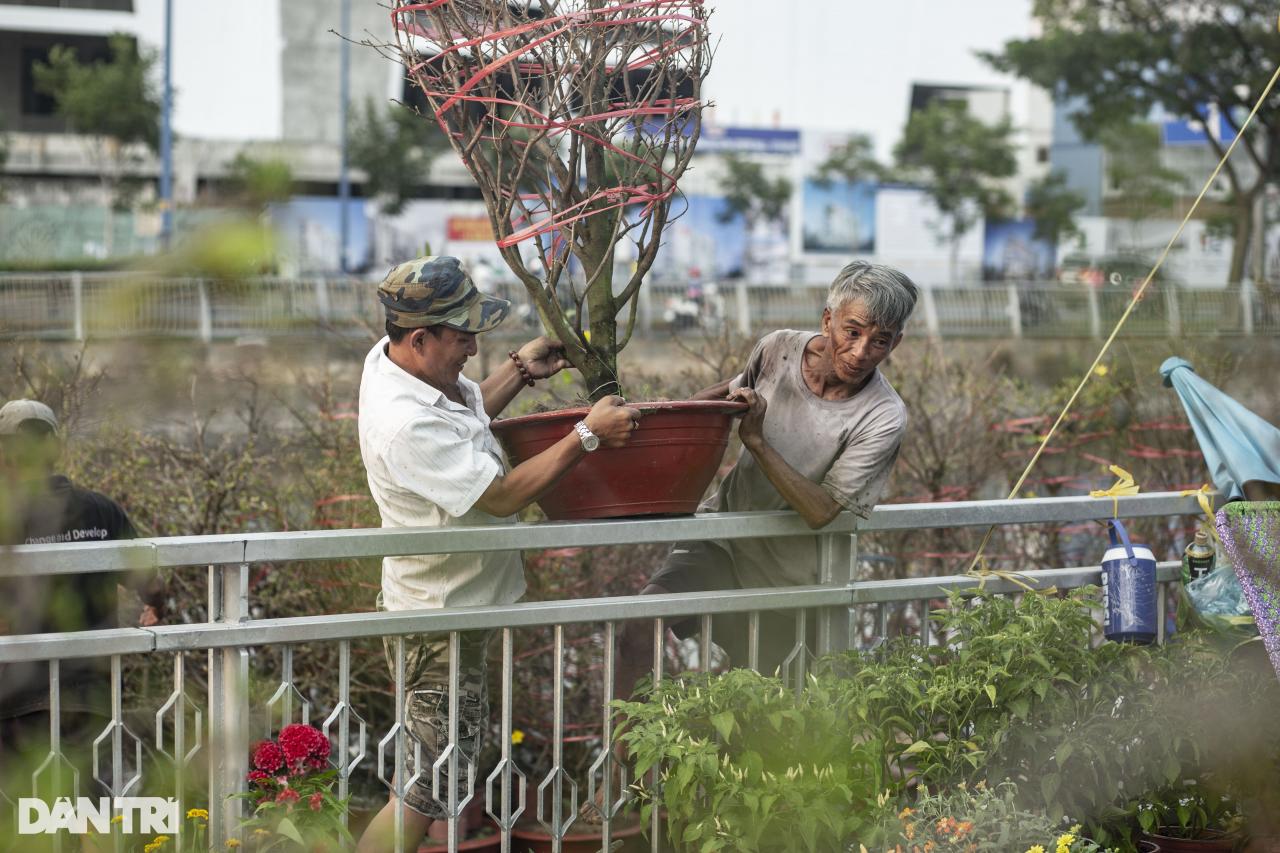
426, 669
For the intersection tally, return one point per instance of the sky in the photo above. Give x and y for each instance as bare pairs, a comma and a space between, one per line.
849, 64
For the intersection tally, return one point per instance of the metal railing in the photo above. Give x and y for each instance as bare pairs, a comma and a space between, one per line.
840, 606
76, 306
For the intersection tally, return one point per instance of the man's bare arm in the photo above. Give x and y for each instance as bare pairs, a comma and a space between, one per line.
609, 419
509, 494
803, 495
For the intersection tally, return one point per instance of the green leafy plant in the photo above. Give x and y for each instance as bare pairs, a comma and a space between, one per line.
979, 817
749, 765
1188, 810
291, 789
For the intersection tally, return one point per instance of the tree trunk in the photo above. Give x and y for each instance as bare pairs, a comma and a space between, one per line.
600, 366
1243, 233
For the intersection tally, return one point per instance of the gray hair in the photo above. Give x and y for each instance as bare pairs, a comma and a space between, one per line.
889, 295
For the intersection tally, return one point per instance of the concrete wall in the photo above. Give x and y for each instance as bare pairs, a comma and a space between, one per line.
310, 65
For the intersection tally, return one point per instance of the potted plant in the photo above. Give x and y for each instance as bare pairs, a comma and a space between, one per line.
576, 120
979, 817
1187, 818
291, 791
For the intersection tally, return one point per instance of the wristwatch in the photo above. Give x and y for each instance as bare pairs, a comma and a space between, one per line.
590, 441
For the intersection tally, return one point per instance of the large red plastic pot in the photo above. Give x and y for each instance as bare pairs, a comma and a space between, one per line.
664, 469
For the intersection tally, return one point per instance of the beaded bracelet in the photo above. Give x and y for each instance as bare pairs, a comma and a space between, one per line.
524, 371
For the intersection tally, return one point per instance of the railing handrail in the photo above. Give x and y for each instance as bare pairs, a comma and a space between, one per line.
248, 548
352, 626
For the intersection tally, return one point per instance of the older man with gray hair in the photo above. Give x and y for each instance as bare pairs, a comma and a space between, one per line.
821, 435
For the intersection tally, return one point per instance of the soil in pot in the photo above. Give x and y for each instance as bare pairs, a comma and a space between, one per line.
533, 837
664, 470
1212, 842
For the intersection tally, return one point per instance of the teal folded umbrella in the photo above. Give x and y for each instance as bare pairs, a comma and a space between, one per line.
1238, 445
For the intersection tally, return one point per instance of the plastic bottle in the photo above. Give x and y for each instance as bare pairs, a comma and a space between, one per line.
1197, 560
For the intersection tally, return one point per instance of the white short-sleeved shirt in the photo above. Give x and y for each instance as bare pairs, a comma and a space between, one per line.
429, 460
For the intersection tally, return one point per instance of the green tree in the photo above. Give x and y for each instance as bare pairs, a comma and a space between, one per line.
1121, 58
259, 182
852, 161
1053, 205
395, 148
960, 160
1146, 188
750, 193
114, 102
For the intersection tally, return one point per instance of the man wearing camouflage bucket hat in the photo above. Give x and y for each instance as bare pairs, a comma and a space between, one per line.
432, 461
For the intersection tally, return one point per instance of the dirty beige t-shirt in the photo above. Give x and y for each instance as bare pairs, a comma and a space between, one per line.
848, 446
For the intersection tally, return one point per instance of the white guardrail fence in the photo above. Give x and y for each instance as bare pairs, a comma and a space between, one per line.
76, 306
838, 604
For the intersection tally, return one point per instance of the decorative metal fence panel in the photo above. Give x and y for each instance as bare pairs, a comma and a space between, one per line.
135, 748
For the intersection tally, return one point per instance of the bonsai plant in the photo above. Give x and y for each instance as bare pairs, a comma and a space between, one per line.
576, 119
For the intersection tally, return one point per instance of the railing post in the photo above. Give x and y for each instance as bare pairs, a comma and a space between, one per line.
77, 305
1015, 311
1246, 308
1175, 316
322, 300
228, 706
930, 313
743, 302
836, 571
645, 309
206, 312
1095, 313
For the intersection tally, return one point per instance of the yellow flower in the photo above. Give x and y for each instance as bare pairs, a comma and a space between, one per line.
910, 831
233, 842
1102, 370
194, 813
905, 813
964, 826
161, 839
118, 819
261, 833
1035, 849
151, 848
517, 737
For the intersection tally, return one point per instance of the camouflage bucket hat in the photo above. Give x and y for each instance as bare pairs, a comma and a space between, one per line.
435, 291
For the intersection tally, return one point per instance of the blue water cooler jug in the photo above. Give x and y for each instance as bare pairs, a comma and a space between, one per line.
1128, 589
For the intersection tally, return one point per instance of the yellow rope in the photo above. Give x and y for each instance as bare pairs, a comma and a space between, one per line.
1133, 303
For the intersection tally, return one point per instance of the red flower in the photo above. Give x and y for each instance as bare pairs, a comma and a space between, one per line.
259, 777
316, 801
303, 746
288, 795
268, 756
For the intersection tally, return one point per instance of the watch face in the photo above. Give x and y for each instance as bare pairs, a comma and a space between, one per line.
590, 441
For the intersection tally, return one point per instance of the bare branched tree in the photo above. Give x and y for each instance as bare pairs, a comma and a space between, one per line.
576, 118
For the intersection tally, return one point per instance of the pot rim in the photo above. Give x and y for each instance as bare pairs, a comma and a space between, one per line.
1208, 835
716, 407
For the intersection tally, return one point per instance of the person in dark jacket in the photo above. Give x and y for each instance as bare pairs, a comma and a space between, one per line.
40, 507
